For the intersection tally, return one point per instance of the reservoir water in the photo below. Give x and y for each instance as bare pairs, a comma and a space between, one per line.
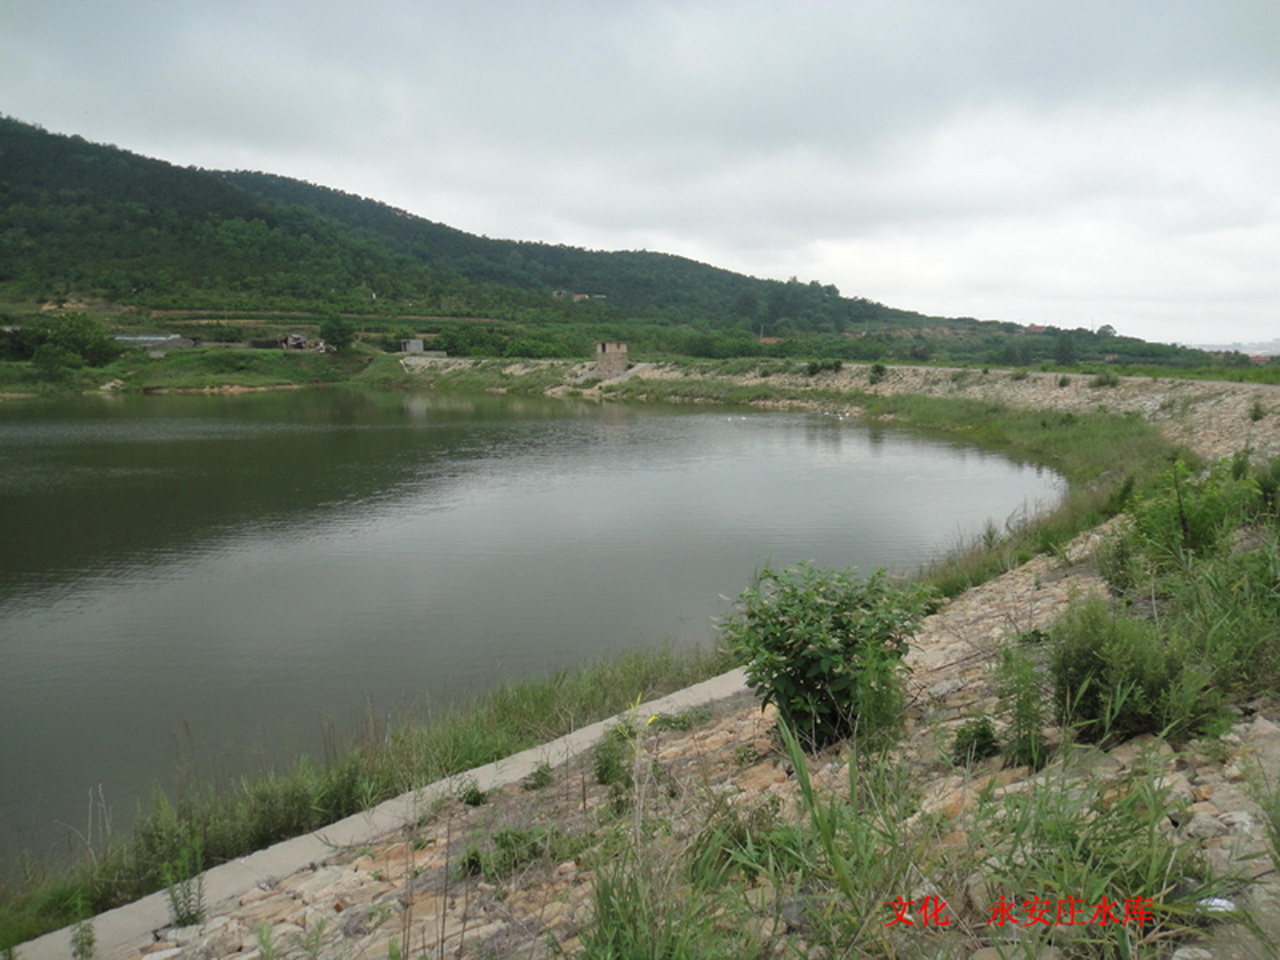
220, 574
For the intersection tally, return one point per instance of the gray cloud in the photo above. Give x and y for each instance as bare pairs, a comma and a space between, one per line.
1069, 163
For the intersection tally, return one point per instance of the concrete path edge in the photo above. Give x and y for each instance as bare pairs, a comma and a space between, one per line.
133, 925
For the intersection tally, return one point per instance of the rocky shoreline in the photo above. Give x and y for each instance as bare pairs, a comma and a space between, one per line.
406, 889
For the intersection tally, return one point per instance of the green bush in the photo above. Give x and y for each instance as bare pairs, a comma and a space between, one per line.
815, 367
55, 362
975, 740
338, 332
1115, 677
1184, 515
71, 335
826, 647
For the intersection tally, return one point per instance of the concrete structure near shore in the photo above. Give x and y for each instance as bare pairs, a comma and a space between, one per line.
611, 358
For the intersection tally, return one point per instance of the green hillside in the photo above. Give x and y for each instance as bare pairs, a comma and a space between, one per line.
636, 283
82, 218
78, 218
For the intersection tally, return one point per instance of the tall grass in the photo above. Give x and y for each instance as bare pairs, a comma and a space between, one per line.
1102, 456
707, 389
860, 871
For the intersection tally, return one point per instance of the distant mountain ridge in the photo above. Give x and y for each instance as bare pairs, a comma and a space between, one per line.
1269, 348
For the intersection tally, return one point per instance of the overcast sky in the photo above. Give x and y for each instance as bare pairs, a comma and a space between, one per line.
1069, 163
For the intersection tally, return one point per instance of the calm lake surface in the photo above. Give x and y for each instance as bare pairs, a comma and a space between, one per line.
244, 567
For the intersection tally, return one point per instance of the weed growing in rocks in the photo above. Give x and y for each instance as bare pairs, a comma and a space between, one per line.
685, 720
1075, 842
184, 882
1116, 677
539, 779
1184, 514
84, 940
815, 367
266, 946
469, 792
643, 909
512, 848
1019, 686
612, 755
975, 740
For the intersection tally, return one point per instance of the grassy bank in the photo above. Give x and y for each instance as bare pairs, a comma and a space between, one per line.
200, 368
374, 766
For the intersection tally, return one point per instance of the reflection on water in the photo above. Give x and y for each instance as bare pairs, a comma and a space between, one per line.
247, 565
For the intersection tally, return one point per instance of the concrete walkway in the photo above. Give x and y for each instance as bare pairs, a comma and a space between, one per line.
132, 926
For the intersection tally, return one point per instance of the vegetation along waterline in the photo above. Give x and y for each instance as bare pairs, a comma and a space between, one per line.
376, 763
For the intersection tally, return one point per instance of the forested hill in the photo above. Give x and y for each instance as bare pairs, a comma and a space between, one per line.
86, 218
82, 218
635, 282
